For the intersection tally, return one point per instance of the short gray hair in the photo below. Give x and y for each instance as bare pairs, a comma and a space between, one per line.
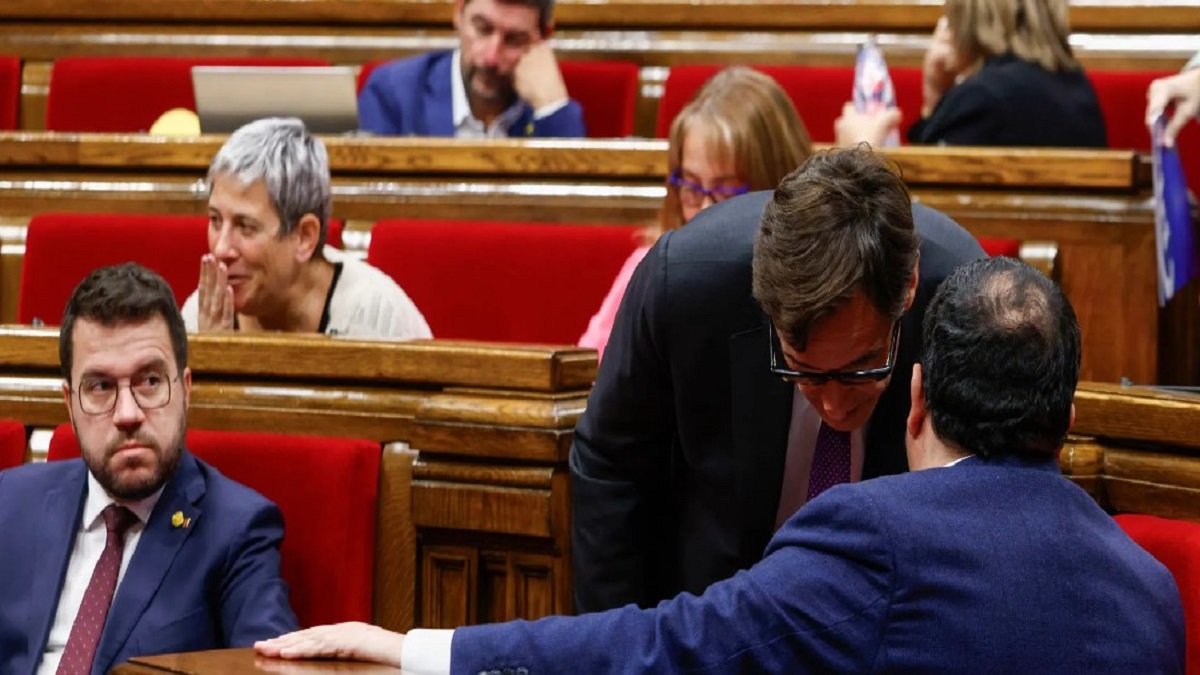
291, 163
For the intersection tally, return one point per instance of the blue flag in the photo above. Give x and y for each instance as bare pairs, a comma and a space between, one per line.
1174, 233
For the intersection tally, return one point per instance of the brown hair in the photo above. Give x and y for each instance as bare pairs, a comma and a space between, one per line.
1033, 30
839, 224
748, 120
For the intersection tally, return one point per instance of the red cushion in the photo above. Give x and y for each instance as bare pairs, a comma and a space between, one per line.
128, 94
1176, 544
12, 444
1122, 96
818, 92
10, 92
327, 489
505, 282
606, 90
1009, 248
63, 248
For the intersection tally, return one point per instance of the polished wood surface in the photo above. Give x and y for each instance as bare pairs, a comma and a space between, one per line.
914, 15
243, 662
474, 468
1094, 205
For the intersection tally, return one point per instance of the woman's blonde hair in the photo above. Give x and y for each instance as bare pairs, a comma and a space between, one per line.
1033, 30
748, 121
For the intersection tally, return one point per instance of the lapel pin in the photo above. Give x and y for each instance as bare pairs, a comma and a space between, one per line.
177, 520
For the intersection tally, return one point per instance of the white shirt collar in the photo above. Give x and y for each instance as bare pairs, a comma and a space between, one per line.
98, 500
460, 108
956, 461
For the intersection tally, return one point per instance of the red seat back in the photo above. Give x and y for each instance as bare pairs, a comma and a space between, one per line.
128, 94
63, 248
505, 282
327, 489
10, 92
12, 444
606, 90
1176, 544
1009, 248
1122, 96
818, 92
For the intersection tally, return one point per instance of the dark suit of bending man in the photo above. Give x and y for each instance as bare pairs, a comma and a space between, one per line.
678, 464
984, 559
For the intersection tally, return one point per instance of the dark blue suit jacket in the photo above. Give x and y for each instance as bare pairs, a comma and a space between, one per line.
411, 97
212, 584
677, 464
1001, 567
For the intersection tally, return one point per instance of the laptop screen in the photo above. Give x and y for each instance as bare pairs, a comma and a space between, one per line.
228, 97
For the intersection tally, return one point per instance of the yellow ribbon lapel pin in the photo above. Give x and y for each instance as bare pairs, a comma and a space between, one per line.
177, 520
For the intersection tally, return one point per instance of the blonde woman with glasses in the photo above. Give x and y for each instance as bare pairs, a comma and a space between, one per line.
739, 134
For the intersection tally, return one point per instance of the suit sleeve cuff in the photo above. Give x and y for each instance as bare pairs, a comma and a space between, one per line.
548, 110
426, 652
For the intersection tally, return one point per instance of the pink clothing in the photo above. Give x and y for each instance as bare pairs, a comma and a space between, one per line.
601, 324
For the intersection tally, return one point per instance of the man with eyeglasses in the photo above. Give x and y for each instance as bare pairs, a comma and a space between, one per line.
139, 547
761, 354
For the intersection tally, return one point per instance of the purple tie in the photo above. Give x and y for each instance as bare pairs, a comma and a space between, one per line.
93, 611
831, 460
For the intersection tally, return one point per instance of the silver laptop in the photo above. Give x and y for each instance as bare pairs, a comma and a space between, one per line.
227, 97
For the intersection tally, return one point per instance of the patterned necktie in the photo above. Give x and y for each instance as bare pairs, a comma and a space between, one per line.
93, 611
831, 460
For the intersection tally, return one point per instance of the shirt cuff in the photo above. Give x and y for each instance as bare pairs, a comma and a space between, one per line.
426, 652
548, 110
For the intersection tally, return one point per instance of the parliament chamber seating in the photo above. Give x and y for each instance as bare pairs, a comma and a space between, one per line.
1176, 544
1122, 96
127, 94
606, 90
10, 92
327, 489
818, 92
503, 281
63, 248
12, 443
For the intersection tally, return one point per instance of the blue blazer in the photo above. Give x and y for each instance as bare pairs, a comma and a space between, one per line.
411, 97
210, 585
1000, 567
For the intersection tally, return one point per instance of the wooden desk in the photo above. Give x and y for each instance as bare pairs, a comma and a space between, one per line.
243, 662
1095, 205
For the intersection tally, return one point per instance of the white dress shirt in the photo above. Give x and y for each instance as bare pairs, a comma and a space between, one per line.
90, 539
465, 124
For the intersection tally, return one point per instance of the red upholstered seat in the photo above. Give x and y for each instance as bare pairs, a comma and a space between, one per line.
506, 282
327, 489
1122, 96
127, 94
12, 444
818, 92
10, 92
606, 90
1176, 544
1009, 248
63, 248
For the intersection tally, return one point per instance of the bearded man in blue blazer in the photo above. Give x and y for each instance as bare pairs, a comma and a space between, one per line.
983, 559
501, 81
138, 547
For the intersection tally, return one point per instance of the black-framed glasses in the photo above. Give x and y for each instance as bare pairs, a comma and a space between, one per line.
98, 395
848, 378
693, 194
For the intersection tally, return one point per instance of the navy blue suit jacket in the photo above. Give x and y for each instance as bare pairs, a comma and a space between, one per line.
997, 567
210, 585
1013, 102
411, 97
677, 463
